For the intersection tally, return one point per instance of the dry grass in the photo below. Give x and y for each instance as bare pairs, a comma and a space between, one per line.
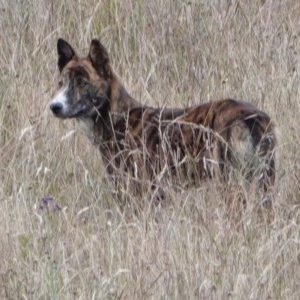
167, 52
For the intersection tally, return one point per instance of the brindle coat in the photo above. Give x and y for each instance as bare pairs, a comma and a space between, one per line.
141, 143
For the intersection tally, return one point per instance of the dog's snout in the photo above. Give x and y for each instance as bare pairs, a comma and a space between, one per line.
56, 107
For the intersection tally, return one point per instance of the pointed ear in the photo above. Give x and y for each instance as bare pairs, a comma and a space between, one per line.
65, 53
99, 58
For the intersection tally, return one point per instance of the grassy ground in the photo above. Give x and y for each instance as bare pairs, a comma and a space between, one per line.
79, 245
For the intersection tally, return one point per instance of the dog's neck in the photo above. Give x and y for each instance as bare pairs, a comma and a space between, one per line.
120, 102
100, 127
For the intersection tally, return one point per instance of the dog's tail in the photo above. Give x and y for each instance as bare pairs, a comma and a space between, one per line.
253, 149
269, 157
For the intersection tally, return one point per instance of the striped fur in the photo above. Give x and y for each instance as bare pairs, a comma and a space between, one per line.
187, 145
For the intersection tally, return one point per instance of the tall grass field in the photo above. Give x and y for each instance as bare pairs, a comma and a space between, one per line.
63, 232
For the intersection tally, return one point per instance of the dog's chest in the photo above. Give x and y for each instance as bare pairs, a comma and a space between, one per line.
87, 127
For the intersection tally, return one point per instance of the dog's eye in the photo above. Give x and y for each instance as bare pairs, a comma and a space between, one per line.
80, 81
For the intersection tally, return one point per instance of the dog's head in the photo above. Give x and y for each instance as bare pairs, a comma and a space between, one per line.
84, 83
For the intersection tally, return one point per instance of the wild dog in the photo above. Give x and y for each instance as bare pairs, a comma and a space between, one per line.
139, 143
